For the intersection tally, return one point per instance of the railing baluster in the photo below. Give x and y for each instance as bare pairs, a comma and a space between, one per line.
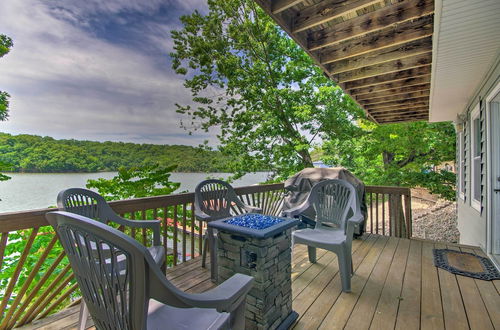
165, 232
371, 213
376, 218
175, 235
3, 245
193, 254
144, 232
17, 271
383, 214
184, 219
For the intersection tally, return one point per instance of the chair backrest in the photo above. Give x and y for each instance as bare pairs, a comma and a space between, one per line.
332, 201
217, 198
109, 267
116, 275
84, 202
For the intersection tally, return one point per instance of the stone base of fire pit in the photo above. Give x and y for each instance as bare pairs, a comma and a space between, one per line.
268, 260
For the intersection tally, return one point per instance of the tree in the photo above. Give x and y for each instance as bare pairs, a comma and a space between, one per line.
399, 154
252, 82
5, 46
136, 182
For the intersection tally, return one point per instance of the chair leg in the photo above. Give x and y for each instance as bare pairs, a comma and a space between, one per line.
84, 314
204, 253
312, 254
213, 255
345, 270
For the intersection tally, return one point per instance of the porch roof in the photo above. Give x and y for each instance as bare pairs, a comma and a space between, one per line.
379, 51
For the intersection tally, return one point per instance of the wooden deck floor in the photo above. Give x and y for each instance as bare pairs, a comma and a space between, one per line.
395, 286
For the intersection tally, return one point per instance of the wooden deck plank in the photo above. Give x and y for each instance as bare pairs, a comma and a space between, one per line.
314, 315
453, 307
432, 310
308, 296
395, 277
367, 301
477, 313
339, 313
387, 308
409, 306
489, 294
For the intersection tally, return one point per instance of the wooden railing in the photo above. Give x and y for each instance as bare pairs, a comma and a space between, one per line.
36, 279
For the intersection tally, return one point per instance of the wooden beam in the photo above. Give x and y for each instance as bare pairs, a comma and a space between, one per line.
277, 6
402, 114
326, 11
392, 92
398, 103
425, 79
388, 54
397, 97
383, 68
399, 111
413, 104
370, 22
394, 35
388, 77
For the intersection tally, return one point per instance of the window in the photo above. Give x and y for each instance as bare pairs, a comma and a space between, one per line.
476, 159
461, 165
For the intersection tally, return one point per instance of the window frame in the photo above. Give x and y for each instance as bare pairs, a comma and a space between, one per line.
475, 114
461, 165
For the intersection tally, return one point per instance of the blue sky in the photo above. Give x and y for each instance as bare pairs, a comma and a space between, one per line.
95, 70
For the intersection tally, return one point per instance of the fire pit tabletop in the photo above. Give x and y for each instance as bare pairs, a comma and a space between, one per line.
254, 225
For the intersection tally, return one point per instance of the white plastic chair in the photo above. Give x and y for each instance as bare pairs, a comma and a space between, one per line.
337, 216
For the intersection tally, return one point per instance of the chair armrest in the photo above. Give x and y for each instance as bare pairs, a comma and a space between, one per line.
200, 215
295, 211
154, 225
226, 297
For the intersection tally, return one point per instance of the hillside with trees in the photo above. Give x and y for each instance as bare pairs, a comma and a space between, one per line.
31, 153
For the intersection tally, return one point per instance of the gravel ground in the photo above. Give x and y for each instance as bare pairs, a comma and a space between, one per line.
435, 221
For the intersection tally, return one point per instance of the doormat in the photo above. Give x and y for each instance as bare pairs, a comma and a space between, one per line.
465, 264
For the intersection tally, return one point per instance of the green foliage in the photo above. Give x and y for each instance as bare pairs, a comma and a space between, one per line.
253, 83
136, 182
5, 46
31, 153
398, 155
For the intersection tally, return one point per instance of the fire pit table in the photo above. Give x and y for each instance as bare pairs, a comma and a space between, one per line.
259, 246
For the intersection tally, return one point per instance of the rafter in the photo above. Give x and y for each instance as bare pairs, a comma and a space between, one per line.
370, 22
383, 55
385, 78
402, 114
384, 68
277, 6
422, 109
397, 97
394, 35
325, 11
404, 119
392, 92
424, 79
413, 104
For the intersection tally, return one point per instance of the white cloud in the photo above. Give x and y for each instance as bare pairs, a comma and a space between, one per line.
67, 83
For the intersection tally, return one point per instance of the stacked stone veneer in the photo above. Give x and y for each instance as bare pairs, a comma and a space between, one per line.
268, 260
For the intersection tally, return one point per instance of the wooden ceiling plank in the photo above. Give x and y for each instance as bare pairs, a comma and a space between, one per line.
362, 91
398, 97
392, 92
398, 111
370, 22
400, 102
326, 11
394, 35
384, 68
385, 78
408, 113
414, 104
277, 6
415, 47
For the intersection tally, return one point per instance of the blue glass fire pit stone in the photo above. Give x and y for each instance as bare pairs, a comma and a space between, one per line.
254, 221
254, 225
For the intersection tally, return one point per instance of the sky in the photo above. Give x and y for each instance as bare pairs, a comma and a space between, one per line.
95, 70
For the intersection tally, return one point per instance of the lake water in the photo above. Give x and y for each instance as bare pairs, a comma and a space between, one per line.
27, 191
